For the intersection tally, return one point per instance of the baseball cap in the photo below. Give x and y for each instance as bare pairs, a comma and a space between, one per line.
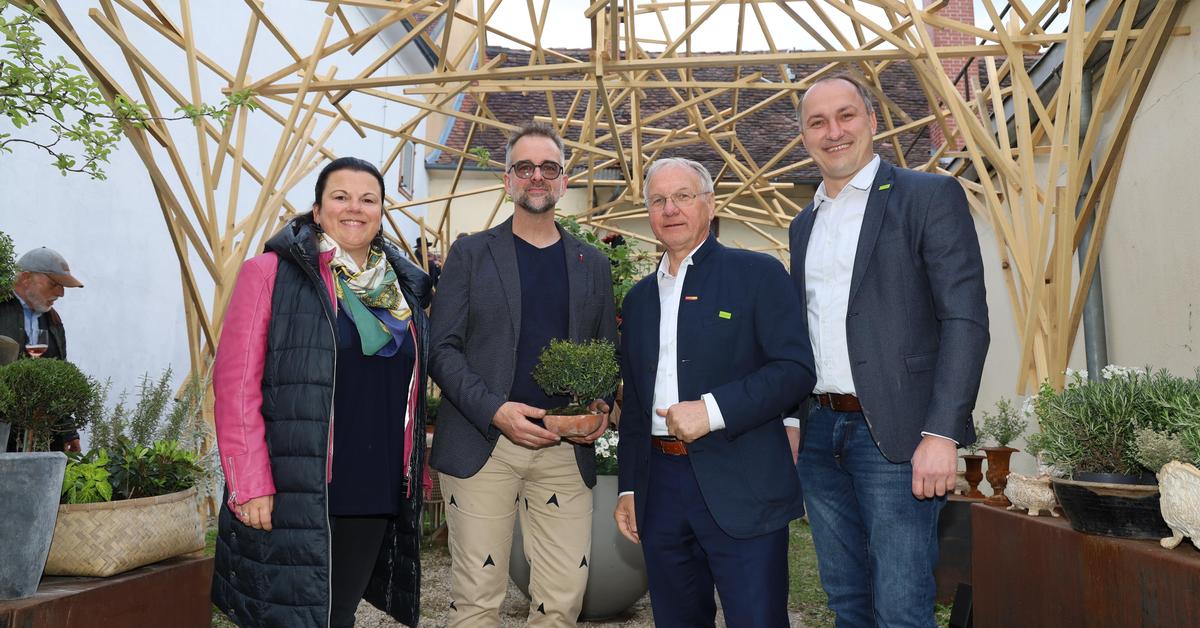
49, 262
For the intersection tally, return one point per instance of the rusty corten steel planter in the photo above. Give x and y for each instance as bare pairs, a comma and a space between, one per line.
1037, 571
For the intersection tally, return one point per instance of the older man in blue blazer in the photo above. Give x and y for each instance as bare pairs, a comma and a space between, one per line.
711, 355
886, 262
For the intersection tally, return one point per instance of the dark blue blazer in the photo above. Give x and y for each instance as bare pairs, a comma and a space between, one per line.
917, 321
743, 338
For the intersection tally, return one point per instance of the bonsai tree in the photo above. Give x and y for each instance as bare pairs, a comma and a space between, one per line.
585, 371
1003, 426
45, 396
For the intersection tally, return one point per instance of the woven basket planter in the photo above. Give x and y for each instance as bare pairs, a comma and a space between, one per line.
108, 538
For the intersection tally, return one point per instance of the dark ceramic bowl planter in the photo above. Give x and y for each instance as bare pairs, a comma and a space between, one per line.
974, 475
998, 459
1122, 506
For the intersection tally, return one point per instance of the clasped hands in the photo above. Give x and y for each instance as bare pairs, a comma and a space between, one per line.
512, 419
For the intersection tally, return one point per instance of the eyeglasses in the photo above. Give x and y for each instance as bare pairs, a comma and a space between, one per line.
524, 169
682, 200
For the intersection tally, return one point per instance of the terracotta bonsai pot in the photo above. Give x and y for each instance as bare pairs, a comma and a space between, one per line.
569, 426
997, 473
974, 475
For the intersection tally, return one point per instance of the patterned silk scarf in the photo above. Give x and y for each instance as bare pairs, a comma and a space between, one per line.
371, 296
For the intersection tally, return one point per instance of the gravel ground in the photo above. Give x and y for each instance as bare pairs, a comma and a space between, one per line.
435, 601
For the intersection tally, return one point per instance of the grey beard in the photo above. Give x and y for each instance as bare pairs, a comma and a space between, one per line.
527, 206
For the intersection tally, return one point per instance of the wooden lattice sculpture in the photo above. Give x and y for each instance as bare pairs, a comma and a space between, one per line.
1009, 126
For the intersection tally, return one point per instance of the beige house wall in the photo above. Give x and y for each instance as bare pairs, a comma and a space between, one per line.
1149, 260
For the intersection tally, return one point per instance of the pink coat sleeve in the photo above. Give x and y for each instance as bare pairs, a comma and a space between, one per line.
237, 382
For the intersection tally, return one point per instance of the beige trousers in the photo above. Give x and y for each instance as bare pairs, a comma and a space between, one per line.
555, 507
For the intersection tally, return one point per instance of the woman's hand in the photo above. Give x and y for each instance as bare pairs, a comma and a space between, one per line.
256, 513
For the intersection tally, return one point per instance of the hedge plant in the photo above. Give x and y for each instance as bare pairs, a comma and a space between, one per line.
46, 396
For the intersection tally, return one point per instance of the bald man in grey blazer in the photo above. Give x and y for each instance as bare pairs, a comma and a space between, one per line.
886, 262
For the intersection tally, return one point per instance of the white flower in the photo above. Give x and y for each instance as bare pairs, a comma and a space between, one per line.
1113, 371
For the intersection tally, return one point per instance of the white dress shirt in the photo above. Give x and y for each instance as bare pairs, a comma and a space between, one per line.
666, 380
828, 268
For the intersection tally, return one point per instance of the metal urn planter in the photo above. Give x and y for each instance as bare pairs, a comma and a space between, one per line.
616, 571
30, 485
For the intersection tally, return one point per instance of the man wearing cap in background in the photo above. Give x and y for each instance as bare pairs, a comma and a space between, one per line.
42, 275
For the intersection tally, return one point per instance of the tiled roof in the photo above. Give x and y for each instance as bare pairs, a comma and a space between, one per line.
763, 132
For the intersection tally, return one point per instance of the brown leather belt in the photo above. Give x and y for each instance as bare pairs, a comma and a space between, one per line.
669, 445
839, 402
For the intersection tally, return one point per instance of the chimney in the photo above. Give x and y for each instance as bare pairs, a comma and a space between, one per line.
959, 11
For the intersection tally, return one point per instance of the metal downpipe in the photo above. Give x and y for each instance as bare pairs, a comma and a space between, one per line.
1095, 337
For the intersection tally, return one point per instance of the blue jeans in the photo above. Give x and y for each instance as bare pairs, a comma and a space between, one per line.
876, 544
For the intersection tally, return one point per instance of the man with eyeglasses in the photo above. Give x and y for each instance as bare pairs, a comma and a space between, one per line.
504, 294
42, 275
710, 360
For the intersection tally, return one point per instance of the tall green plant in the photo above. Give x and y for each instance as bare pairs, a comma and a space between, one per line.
154, 416
46, 396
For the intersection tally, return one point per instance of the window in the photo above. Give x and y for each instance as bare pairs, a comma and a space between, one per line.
407, 159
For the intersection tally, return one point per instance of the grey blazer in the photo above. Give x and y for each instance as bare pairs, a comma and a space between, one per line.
917, 321
475, 324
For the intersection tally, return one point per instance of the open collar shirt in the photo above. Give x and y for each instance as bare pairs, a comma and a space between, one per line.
666, 380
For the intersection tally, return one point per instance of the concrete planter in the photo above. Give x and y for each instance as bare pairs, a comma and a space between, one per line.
30, 485
617, 571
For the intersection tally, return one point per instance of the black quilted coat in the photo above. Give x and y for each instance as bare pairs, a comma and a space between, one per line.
281, 578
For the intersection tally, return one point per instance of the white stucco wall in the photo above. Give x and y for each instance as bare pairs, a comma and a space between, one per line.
1148, 260
129, 319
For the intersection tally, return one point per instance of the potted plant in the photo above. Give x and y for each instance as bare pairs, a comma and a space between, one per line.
584, 371
1001, 428
35, 396
1089, 437
125, 508
132, 499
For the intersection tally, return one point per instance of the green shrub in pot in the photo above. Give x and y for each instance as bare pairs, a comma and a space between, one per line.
44, 397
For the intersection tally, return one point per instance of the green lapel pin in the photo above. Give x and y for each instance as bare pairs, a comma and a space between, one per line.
885, 186
725, 315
